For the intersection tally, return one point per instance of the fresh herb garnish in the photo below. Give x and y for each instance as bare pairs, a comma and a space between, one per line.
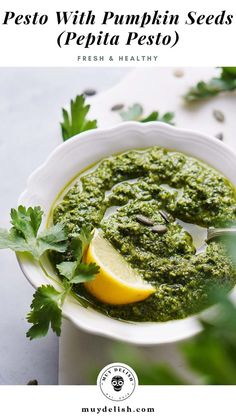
24, 236
135, 113
76, 121
203, 90
77, 271
46, 307
45, 311
155, 116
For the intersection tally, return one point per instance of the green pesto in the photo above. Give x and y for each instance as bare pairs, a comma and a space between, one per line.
143, 182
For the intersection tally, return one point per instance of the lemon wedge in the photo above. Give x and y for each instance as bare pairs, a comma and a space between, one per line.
117, 282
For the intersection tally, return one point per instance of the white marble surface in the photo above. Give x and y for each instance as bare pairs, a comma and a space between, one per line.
30, 111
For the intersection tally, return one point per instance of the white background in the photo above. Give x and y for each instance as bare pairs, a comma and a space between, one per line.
179, 402
36, 45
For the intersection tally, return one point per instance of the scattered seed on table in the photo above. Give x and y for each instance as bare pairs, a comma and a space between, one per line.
165, 216
144, 220
220, 136
32, 383
178, 72
90, 92
218, 115
117, 107
160, 229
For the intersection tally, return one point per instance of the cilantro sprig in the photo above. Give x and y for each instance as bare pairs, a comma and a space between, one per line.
24, 236
135, 113
226, 82
75, 121
46, 307
45, 311
76, 271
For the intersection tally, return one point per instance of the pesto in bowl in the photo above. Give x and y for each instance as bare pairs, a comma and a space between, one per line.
113, 194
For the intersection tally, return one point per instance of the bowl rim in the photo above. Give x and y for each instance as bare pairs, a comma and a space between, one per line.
100, 132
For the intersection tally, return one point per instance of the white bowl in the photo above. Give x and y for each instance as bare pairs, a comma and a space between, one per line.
84, 149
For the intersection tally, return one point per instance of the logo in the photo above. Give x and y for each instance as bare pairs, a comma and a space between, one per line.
117, 381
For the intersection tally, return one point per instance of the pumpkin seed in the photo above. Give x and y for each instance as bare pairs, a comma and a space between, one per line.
219, 116
90, 92
160, 229
117, 107
32, 383
144, 220
178, 72
165, 216
220, 136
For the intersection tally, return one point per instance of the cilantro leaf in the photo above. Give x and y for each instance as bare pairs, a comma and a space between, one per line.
45, 311
67, 269
24, 237
76, 272
36, 216
203, 90
154, 116
27, 221
85, 237
12, 240
228, 72
135, 113
84, 273
75, 120
79, 243
54, 238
